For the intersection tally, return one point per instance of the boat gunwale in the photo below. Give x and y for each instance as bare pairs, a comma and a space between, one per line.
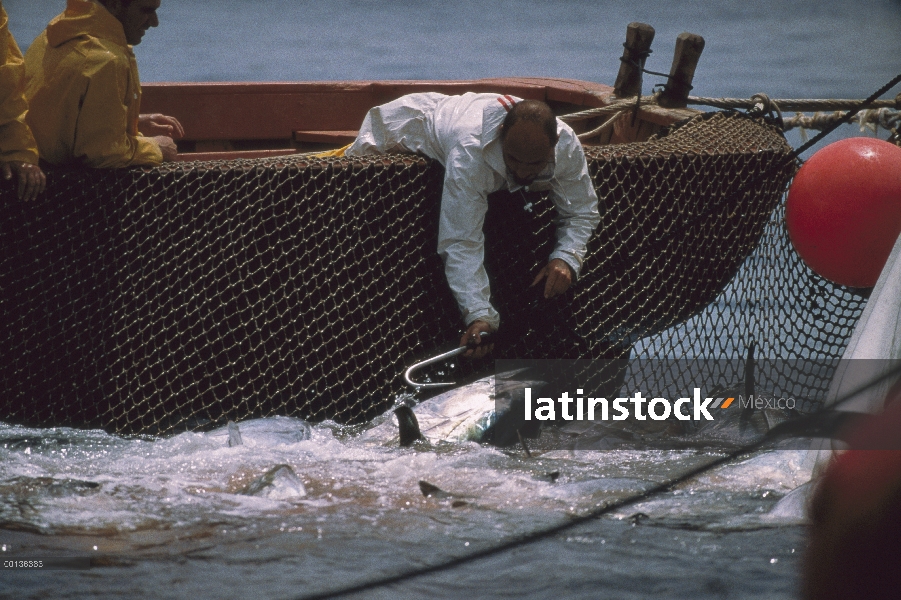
233, 120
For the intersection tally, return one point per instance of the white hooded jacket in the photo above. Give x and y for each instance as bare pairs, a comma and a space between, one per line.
463, 134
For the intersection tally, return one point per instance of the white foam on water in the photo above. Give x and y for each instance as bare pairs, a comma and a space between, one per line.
777, 470
196, 479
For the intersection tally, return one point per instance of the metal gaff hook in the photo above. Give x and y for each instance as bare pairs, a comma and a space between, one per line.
408, 374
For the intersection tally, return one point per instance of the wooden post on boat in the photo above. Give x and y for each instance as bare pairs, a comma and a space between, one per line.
638, 44
688, 51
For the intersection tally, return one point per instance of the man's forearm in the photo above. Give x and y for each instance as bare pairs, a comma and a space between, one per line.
468, 281
573, 233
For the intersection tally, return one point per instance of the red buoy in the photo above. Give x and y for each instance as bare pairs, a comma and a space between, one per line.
843, 211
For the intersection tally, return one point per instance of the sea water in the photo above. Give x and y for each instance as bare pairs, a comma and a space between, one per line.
166, 517
171, 517
784, 48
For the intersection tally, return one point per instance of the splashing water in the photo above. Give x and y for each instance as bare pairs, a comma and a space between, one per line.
357, 495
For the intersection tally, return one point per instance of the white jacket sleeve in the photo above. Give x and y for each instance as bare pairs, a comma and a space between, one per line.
576, 200
461, 242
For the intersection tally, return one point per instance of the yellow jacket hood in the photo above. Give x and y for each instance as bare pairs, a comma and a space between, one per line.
84, 92
83, 18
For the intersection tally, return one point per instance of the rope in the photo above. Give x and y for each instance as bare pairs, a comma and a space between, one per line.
658, 489
794, 104
763, 105
614, 107
643, 56
599, 130
871, 119
788, 105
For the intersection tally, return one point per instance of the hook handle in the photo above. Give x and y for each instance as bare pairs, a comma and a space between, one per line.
408, 374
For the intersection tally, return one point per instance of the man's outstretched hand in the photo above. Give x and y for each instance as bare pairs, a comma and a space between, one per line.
559, 278
160, 125
473, 337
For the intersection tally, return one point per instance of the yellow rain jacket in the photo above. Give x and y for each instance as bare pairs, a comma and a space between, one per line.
16, 141
83, 92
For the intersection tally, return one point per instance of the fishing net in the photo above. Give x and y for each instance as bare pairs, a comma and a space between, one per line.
155, 300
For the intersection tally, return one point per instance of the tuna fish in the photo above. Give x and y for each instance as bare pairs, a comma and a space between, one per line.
488, 410
278, 483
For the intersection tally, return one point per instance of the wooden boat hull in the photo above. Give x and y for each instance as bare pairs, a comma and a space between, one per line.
260, 120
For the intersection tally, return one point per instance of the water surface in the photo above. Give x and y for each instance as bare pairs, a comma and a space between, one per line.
166, 514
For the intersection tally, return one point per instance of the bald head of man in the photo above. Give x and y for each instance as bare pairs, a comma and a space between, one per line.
528, 138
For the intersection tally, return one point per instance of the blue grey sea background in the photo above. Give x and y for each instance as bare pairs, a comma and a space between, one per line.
164, 513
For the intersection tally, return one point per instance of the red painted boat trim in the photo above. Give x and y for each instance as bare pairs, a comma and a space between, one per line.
274, 111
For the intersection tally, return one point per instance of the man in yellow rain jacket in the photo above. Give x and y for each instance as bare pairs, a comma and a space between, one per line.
83, 89
18, 151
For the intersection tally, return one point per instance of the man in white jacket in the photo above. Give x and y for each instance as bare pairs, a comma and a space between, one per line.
490, 142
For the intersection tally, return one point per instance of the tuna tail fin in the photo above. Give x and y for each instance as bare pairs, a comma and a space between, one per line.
745, 419
429, 490
234, 435
408, 425
795, 504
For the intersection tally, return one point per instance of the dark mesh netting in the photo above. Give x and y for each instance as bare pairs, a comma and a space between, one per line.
151, 300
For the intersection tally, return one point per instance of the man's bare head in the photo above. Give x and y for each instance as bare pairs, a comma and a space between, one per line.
136, 16
528, 138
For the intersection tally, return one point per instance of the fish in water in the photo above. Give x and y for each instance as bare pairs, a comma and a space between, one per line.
46, 486
749, 422
742, 426
23, 499
234, 435
266, 432
408, 426
550, 477
278, 483
433, 491
793, 507
488, 410
491, 410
